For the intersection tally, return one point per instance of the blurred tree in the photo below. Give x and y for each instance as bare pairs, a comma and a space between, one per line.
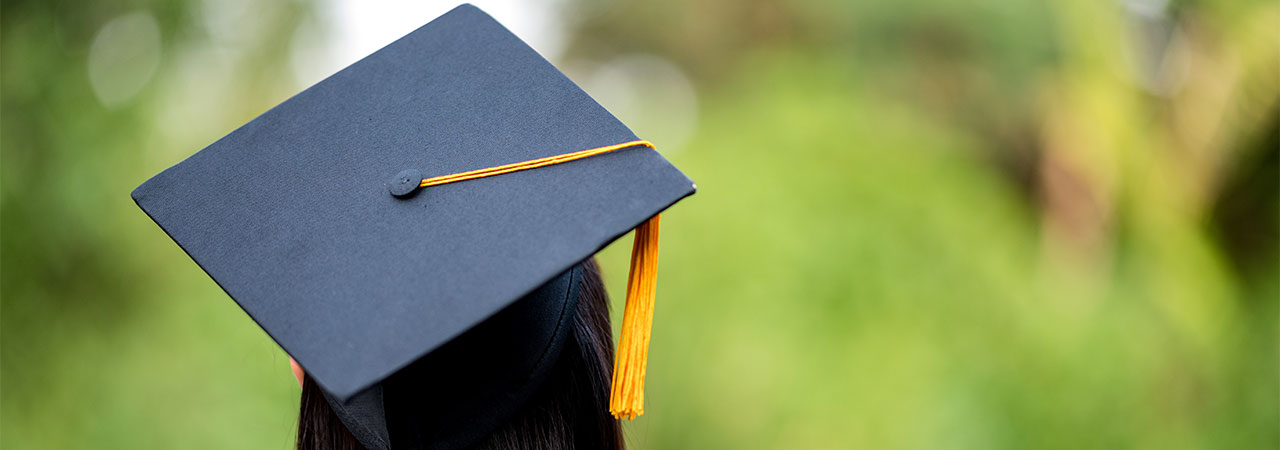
98, 351
978, 224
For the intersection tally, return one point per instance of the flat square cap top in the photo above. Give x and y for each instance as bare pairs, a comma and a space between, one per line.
291, 213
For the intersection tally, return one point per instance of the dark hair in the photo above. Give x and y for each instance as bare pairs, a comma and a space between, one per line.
570, 409
319, 428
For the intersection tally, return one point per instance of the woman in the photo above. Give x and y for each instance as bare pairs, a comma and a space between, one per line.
412, 230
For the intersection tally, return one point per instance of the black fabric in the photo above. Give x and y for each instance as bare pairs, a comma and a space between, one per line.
483, 376
291, 214
460, 392
364, 416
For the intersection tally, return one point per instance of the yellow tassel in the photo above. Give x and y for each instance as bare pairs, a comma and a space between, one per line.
626, 399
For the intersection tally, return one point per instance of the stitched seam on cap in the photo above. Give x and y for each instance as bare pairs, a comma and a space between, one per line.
573, 272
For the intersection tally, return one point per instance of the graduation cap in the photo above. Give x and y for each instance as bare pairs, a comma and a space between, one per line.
383, 219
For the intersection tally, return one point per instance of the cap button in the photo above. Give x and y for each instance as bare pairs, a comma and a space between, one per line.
405, 183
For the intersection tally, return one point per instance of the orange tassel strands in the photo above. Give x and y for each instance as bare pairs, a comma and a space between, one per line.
626, 399
530, 164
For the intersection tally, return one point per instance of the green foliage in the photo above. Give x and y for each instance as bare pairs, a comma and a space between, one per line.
919, 225
851, 276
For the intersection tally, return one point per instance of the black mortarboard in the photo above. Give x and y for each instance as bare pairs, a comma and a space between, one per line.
338, 220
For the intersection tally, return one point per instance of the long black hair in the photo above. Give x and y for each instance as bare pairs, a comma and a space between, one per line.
570, 409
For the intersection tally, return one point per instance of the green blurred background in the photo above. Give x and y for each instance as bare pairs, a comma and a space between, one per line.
975, 224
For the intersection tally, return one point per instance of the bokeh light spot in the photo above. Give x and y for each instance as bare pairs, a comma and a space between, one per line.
123, 57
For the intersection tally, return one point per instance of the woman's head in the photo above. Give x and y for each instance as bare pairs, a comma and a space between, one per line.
567, 410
